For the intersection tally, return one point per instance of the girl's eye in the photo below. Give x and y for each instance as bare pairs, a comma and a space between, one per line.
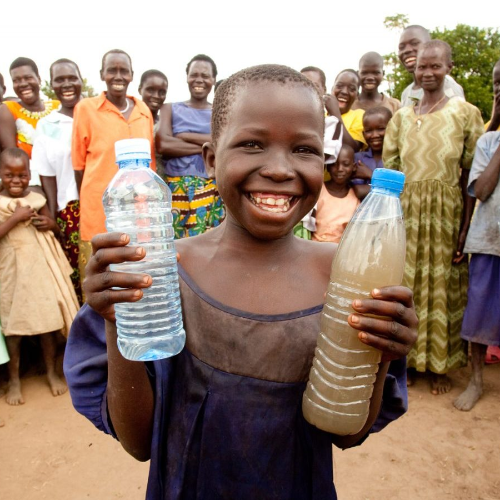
306, 150
251, 145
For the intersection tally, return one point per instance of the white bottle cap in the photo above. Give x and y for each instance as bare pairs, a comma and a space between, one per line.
132, 149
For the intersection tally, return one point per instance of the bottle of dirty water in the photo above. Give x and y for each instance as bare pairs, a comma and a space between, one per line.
138, 202
371, 255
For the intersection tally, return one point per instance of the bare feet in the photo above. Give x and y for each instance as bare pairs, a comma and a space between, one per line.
440, 384
57, 385
468, 399
411, 377
14, 396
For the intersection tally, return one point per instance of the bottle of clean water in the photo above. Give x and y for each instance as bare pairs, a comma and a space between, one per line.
138, 202
371, 255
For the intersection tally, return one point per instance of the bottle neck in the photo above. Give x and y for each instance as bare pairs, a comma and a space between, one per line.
133, 164
385, 191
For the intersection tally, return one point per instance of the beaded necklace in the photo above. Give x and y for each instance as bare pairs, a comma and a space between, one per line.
36, 115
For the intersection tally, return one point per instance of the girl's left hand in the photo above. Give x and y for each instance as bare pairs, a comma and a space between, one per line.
395, 330
42, 222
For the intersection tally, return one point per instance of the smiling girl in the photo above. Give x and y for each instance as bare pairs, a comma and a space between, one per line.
223, 419
36, 297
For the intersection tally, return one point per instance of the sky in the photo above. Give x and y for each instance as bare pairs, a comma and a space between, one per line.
165, 35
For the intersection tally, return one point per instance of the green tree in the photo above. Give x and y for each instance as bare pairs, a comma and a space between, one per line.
475, 52
87, 90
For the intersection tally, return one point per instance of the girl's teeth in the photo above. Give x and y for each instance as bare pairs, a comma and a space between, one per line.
271, 201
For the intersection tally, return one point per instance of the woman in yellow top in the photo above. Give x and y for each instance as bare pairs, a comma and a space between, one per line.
18, 120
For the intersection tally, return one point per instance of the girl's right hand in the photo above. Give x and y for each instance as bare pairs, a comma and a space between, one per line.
23, 213
111, 248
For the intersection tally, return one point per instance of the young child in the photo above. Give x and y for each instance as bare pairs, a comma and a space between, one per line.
375, 122
371, 73
337, 201
36, 296
481, 323
223, 419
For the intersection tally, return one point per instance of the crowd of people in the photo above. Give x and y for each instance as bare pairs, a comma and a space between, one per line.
276, 161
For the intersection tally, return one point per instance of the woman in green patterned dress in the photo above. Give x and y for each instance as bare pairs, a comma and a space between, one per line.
433, 143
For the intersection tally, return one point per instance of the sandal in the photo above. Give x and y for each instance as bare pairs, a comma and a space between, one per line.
492, 355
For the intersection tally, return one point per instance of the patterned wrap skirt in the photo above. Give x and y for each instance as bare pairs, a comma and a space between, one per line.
68, 220
196, 205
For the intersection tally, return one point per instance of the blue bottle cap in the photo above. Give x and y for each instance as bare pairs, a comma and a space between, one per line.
388, 179
132, 149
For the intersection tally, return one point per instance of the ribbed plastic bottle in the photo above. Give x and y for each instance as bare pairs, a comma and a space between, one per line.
370, 255
138, 202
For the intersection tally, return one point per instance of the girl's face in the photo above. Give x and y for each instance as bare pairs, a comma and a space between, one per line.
26, 84
431, 69
345, 90
200, 79
154, 92
343, 169
67, 84
15, 177
374, 131
117, 74
269, 157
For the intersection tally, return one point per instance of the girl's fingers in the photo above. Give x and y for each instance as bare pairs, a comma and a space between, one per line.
392, 330
396, 311
105, 280
390, 348
105, 240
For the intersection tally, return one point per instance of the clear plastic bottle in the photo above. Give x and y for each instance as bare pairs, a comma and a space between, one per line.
371, 254
138, 202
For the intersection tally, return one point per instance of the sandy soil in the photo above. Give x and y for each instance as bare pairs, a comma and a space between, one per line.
48, 451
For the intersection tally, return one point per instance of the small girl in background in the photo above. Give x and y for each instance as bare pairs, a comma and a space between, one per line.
481, 323
337, 201
375, 122
36, 296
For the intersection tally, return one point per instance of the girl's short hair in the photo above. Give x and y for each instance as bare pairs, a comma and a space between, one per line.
229, 88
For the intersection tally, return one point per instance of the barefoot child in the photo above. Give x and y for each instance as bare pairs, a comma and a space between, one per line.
36, 296
371, 73
223, 419
375, 122
481, 324
337, 201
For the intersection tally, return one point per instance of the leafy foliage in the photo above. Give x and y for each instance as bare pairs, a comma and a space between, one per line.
87, 90
475, 52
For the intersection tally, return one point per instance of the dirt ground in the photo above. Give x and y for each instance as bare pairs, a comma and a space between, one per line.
48, 451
